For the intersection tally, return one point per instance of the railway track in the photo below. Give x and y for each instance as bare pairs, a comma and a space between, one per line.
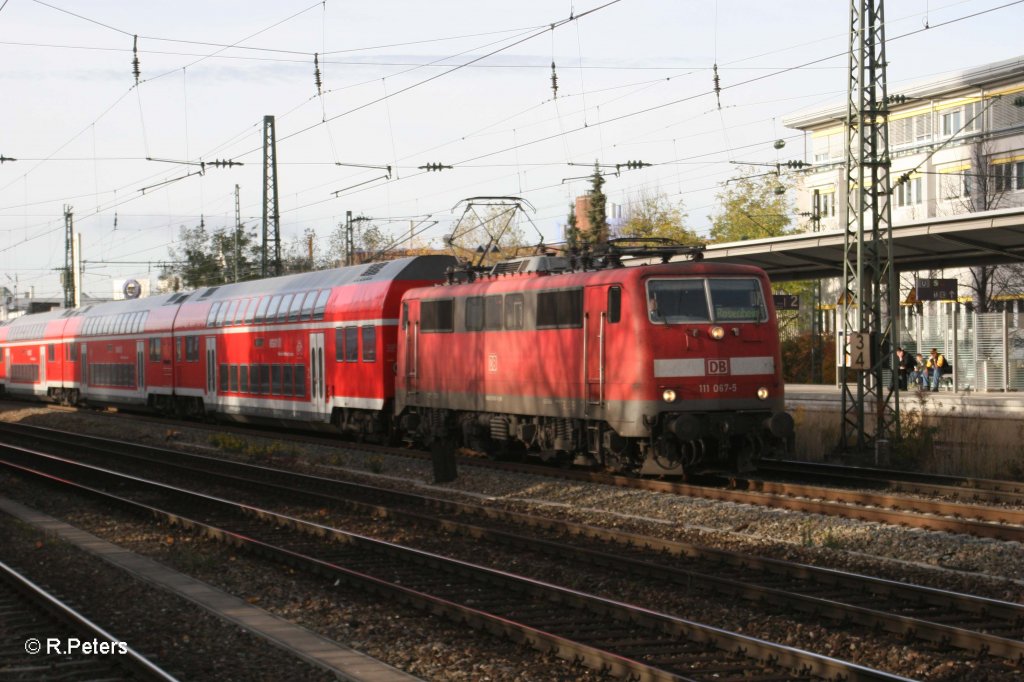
934, 485
30, 616
603, 634
998, 522
983, 626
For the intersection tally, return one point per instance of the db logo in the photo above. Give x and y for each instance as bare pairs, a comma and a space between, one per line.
718, 366
492, 363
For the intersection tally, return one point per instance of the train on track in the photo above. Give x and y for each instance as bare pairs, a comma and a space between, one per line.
625, 359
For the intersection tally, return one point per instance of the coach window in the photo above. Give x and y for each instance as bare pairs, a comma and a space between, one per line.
296, 308
286, 380
51, 352
339, 344
514, 306
275, 377
369, 344
72, 352
282, 311
243, 379
243, 305
492, 313
177, 349
122, 324
437, 315
351, 344
234, 378
223, 378
321, 304
211, 319
264, 379
474, 314
560, 309
222, 314
191, 348
614, 304
275, 303
250, 312
154, 350
229, 319
307, 305
261, 310
300, 381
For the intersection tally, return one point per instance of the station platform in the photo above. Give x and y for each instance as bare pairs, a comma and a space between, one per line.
820, 398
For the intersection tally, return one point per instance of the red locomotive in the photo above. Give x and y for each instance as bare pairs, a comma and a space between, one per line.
658, 368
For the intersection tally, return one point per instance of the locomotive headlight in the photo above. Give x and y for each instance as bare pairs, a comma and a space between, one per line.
668, 395
717, 333
762, 393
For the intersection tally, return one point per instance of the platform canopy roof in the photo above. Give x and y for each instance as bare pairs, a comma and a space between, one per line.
983, 238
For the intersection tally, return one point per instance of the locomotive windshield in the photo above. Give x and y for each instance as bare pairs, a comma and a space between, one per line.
675, 301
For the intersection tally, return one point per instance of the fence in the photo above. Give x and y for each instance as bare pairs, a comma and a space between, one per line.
986, 350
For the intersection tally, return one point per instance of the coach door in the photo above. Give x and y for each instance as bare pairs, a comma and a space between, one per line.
317, 379
211, 365
595, 320
140, 366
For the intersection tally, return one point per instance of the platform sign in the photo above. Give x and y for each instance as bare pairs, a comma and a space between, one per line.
857, 352
786, 301
936, 289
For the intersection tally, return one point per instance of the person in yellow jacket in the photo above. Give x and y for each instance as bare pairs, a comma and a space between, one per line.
935, 367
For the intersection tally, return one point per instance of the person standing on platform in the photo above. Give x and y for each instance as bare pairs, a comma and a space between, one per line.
904, 365
935, 368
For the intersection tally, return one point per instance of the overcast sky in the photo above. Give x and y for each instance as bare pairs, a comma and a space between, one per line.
635, 82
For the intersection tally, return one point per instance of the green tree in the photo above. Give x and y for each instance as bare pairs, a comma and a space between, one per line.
752, 206
572, 233
653, 215
204, 258
597, 211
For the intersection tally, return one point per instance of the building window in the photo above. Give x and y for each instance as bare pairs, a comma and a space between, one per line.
909, 193
827, 205
1004, 176
973, 117
951, 122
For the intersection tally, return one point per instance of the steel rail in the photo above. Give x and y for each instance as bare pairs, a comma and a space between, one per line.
84, 667
808, 589
617, 623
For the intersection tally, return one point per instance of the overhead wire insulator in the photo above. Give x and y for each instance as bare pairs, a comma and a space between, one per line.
135, 59
718, 86
554, 82
316, 73
434, 167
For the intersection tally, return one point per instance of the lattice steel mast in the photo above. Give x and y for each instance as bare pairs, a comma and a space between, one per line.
271, 264
869, 301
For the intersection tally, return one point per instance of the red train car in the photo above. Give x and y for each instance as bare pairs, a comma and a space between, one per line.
317, 347
655, 369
